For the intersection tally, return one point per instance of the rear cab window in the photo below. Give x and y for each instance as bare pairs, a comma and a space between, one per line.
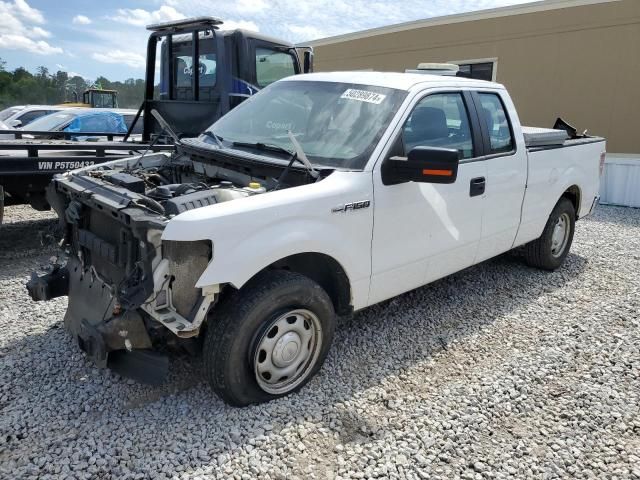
184, 68
494, 115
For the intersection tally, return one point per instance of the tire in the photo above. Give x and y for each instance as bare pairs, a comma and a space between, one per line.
549, 252
268, 339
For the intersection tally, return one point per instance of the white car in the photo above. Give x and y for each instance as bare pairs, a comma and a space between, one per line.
29, 113
5, 136
7, 112
321, 195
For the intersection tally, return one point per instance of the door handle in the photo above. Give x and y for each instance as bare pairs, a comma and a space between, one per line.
477, 186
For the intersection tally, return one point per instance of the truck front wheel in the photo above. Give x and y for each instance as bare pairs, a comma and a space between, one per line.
269, 338
549, 251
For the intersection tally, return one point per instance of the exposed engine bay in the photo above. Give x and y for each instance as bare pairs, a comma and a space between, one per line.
112, 216
172, 188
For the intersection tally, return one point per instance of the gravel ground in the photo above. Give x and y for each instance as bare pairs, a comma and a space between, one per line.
498, 371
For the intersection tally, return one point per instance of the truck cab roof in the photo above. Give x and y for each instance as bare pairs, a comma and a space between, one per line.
254, 35
399, 81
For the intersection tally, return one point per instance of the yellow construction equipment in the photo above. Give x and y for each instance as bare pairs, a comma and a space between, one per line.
95, 98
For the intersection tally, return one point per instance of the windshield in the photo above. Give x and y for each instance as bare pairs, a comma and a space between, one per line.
103, 100
337, 124
51, 122
7, 112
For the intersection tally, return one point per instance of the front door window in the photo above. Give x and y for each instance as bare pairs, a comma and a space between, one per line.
439, 120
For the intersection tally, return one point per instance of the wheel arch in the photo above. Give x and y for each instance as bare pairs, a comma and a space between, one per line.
323, 269
574, 195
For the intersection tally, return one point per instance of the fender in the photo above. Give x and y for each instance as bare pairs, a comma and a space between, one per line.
548, 181
571, 176
251, 233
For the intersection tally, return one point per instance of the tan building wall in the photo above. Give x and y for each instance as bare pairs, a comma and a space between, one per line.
581, 62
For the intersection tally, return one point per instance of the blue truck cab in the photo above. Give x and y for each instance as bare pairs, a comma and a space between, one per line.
231, 66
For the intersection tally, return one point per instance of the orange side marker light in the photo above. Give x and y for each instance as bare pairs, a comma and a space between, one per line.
441, 173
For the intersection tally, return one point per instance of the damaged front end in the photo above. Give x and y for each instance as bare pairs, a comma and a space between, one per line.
130, 293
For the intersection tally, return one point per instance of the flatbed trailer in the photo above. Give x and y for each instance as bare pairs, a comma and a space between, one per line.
28, 165
30, 134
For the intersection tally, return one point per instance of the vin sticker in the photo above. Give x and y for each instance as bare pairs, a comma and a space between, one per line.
363, 96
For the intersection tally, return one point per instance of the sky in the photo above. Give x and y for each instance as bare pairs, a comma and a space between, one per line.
108, 37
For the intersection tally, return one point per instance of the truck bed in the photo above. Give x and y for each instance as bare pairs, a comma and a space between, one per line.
536, 136
553, 169
570, 142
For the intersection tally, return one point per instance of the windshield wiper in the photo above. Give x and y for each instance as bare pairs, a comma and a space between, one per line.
218, 140
165, 129
263, 146
300, 156
294, 156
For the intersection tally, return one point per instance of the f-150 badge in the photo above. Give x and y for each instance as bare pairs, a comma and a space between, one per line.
351, 206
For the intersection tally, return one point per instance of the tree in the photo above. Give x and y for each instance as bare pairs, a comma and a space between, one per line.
22, 87
103, 82
61, 78
21, 73
42, 71
76, 85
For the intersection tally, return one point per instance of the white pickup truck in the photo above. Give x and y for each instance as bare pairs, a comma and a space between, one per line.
321, 195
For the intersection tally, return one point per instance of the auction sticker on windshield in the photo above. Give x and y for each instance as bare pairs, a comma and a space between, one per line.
363, 96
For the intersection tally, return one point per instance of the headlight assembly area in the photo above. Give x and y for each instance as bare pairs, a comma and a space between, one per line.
499, 369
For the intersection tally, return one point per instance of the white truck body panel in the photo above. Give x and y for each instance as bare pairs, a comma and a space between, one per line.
505, 187
251, 233
423, 232
551, 174
437, 226
416, 232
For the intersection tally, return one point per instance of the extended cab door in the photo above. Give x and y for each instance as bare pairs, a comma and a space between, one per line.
424, 231
506, 163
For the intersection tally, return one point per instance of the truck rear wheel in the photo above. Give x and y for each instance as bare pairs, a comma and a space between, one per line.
549, 251
269, 338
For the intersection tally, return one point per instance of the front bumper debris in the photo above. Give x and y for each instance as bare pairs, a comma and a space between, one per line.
97, 321
52, 285
110, 336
